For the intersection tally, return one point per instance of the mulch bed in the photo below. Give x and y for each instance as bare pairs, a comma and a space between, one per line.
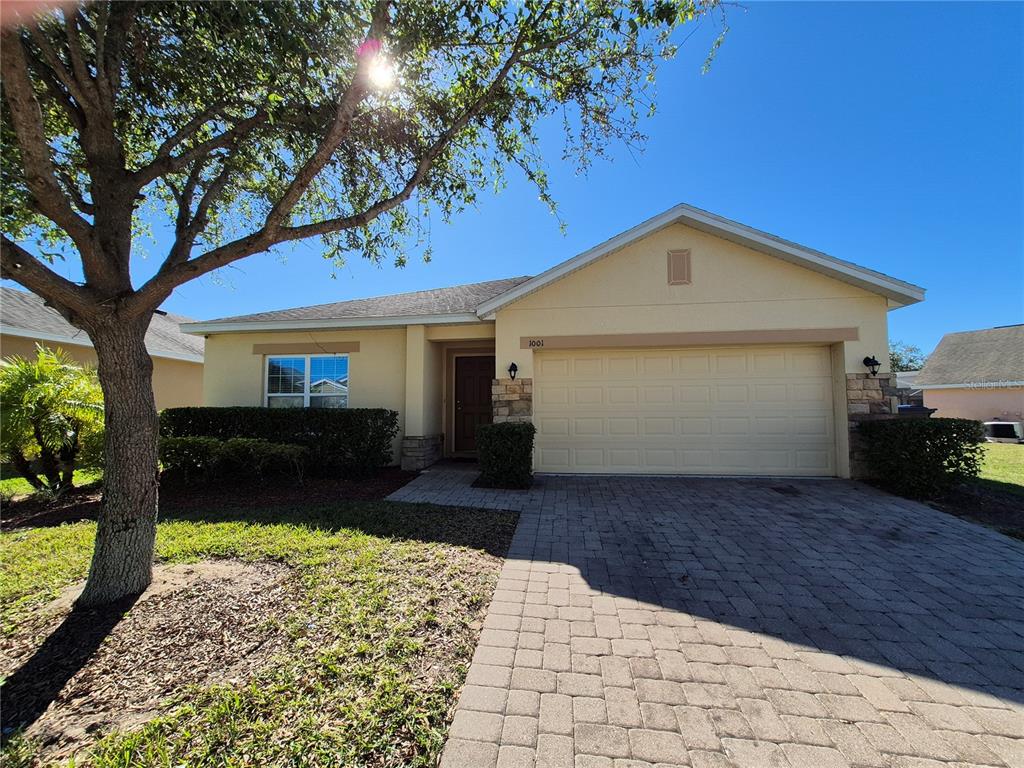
77, 674
988, 506
84, 503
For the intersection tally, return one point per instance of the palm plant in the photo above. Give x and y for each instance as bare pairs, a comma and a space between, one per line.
50, 407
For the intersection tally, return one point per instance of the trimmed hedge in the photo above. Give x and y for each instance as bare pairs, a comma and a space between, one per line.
192, 458
923, 458
352, 441
506, 454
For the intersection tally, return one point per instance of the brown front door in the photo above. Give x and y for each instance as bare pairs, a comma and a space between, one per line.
473, 376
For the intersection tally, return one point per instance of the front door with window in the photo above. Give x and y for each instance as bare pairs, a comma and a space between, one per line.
473, 377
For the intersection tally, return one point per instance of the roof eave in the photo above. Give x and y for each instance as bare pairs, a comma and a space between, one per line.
898, 292
84, 341
973, 385
393, 321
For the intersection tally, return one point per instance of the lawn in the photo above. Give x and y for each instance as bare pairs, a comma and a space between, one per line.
342, 639
1004, 467
15, 485
996, 498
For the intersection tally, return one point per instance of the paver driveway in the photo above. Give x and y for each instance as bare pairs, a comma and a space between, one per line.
716, 622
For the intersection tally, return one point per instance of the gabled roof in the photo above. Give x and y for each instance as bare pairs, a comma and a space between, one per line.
25, 314
479, 301
898, 292
990, 358
440, 305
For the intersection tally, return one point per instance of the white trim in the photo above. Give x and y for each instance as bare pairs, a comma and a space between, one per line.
900, 292
215, 326
84, 341
308, 371
973, 385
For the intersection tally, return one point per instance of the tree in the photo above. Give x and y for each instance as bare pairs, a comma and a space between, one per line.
49, 408
905, 357
254, 124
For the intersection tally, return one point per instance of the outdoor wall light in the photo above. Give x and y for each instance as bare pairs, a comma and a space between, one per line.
871, 364
512, 369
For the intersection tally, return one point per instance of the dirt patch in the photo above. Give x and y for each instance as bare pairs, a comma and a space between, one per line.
84, 504
71, 675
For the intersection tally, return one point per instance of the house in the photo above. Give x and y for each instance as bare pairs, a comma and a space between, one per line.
26, 321
687, 344
977, 375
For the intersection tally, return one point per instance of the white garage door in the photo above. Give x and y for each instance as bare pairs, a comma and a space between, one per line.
729, 410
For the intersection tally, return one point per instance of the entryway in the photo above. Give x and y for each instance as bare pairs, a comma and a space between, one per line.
473, 375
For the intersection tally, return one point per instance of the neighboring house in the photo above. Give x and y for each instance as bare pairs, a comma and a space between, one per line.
977, 375
906, 388
177, 357
688, 344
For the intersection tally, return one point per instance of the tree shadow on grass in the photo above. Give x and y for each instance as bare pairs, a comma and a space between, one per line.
38, 682
487, 531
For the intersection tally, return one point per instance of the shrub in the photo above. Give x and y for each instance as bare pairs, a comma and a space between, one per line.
252, 457
923, 458
191, 458
506, 454
353, 441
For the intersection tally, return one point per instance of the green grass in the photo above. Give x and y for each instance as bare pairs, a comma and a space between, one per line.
15, 485
1003, 467
380, 642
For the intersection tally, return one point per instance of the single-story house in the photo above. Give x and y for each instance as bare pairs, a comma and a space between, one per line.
687, 344
26, 321
977, 375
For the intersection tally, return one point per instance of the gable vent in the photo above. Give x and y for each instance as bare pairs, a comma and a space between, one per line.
679, 267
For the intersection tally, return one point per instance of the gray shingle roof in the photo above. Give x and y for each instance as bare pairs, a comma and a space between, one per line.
439, 301
992, 356
27, 313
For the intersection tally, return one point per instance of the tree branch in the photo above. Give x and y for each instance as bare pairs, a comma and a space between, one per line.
40, 175
347, 104
161, 284
59, 69
76, 194
21, 266
422, 166
163, 165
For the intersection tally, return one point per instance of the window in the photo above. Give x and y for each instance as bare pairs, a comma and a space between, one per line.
311, 381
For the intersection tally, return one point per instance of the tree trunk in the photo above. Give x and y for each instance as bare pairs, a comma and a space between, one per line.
122, 563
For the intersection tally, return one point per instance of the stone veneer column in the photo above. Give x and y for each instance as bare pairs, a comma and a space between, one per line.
512, 400
419, 452
868, 398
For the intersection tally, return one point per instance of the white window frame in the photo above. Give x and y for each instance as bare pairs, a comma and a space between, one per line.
308, 372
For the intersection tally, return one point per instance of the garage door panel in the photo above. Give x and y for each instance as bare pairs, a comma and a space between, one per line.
684, 412
548, 395
623, 395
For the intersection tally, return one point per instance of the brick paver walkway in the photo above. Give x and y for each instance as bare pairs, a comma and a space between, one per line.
717, 622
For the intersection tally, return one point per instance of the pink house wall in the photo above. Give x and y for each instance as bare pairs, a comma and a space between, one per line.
1005, 403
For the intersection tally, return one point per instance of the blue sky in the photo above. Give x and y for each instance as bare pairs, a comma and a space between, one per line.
891, 135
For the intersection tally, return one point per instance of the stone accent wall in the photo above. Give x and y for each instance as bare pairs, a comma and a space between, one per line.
868, 398
420, 452
512, 400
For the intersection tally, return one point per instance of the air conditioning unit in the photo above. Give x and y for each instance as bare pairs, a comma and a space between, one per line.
1004, 431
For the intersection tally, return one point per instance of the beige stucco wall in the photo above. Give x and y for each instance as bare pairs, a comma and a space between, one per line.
1005, 403
397, 368
175, 382
733, 288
